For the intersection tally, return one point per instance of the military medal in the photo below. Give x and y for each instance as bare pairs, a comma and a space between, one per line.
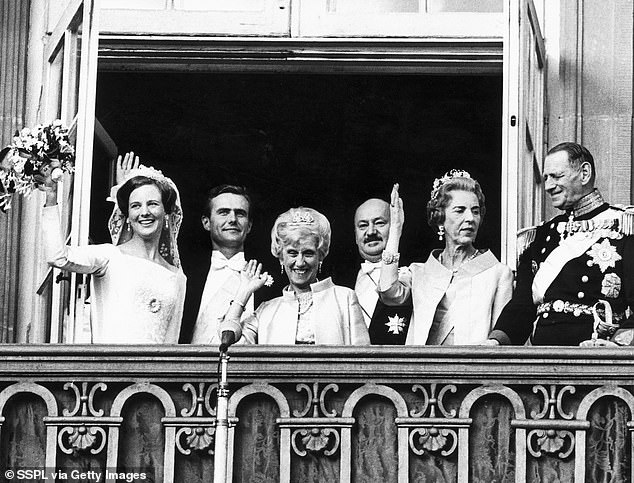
395, 324
604, 255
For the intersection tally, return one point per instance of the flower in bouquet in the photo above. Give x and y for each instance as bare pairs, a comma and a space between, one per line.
32, 150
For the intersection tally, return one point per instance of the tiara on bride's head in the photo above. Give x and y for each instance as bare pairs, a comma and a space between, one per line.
148, 172
168, 244
448, 176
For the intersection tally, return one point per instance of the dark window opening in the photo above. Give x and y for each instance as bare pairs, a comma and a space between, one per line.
324, 141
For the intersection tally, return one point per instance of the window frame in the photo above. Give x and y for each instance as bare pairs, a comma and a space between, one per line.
452, 55
72, 99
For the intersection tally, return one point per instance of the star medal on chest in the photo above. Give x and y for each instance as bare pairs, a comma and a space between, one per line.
395, 324
604, 255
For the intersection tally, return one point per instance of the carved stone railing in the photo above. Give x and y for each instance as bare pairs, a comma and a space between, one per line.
319, 413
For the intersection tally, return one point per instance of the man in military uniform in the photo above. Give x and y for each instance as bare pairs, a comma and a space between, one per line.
387, 325
575, 279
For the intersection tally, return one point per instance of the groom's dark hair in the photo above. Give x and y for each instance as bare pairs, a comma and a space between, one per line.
227, 188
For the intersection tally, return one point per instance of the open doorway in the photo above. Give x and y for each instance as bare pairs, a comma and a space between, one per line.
319, 140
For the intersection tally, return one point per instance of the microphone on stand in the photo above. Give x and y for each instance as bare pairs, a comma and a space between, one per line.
228, 338
230, 333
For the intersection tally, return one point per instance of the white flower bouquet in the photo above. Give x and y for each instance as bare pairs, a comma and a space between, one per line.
31, 150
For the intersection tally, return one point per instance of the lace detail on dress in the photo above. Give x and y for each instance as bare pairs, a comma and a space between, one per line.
155, 299
305, 331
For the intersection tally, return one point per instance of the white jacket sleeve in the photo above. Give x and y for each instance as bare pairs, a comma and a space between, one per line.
250, 329
395, 290
358, 330
88, 259
503, 294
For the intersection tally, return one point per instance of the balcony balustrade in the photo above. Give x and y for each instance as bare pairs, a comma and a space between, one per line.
319, 413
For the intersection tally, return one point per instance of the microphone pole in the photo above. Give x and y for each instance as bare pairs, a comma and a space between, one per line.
222, 420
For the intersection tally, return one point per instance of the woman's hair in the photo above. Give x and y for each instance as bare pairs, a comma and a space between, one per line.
441, 196
168, 195
305, 222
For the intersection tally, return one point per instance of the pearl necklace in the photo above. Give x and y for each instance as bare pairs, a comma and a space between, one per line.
305, 302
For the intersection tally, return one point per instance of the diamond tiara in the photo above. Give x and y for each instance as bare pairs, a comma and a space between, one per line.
301, 218
448, 176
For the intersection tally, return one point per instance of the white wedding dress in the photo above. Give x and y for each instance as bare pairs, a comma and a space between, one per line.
133, 300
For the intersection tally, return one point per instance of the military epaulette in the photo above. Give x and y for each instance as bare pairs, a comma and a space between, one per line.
525, 237
626, 222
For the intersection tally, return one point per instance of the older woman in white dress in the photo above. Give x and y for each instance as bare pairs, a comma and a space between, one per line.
459, 292
138, 287
308, 311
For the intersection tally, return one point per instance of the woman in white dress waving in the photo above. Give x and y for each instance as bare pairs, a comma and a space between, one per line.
138, 286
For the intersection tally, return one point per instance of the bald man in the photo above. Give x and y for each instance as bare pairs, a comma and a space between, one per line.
387, 325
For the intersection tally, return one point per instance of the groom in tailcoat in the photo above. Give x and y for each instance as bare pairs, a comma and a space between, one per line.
227, 216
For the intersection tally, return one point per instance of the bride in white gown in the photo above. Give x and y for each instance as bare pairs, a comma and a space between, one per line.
138, 286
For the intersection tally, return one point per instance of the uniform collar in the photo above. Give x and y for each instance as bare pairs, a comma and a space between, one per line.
588, 204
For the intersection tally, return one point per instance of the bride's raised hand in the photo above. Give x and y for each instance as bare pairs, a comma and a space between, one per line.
124, 166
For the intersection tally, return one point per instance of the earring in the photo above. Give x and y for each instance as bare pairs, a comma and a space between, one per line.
319, 268
441, 232
281, 268
167, 224
127, 222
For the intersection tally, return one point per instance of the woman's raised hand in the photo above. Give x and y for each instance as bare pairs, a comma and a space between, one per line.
397, 214
397, 219
252, 278
389, 269
124, 166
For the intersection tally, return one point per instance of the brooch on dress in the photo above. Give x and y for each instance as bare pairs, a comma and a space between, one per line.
604, 255
154, 305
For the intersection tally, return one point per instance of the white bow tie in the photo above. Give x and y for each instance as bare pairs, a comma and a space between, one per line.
234, 263
369, 267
